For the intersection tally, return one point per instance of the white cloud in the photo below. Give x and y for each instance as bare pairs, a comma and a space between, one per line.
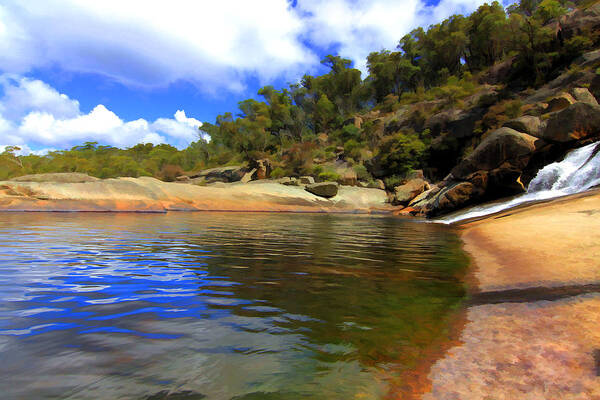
154, 43
41, 117
214, 44
22, 95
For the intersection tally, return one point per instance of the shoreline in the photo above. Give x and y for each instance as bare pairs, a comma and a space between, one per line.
531, 318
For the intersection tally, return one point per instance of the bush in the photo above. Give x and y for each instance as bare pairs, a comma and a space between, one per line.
328, 176
361, 173
277, 173
401, 153
392, 181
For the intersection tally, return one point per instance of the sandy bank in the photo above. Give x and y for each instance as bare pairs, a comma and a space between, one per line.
151, 195
520, 346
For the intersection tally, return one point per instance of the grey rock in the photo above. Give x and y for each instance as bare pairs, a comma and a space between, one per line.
323, 189
526, 124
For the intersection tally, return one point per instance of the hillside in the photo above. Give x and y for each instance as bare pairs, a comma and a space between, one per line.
464, 111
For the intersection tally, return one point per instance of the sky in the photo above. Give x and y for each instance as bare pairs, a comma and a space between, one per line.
122, 72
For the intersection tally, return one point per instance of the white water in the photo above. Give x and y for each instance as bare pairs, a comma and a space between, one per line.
576, 173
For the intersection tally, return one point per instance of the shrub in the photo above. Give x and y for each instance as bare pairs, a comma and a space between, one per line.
277, 173
328, 176
401, 152
392, 181
361, 173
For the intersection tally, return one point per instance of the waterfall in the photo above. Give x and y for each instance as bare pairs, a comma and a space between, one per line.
578, 172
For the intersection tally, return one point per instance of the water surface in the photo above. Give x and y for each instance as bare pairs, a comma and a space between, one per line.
220, 305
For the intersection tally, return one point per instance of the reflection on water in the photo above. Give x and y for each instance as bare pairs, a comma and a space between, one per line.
218, 305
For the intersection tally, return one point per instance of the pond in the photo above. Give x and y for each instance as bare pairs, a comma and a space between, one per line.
221, 305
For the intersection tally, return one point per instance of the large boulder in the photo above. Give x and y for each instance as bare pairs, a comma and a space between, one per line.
441, 200
459, 123
578, 121
59, 177
323, 189
560, 102
403, 194
307, 180
503, 146
584, 95
526, 124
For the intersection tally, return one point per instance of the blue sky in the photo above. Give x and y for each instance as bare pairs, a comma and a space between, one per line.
122, 72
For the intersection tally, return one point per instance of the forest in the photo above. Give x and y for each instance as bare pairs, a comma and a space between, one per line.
303, 129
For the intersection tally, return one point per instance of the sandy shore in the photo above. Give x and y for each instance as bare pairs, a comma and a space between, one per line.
532, 329
151, 195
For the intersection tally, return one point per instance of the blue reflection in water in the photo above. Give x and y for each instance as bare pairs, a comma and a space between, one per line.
217, 306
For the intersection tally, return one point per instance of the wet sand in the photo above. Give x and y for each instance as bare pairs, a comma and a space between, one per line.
539, 341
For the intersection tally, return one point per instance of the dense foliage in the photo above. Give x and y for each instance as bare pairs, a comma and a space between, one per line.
303, 128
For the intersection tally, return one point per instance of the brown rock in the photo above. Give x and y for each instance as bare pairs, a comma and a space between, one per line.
578, 121
403, 194
455, 196
307, 180
348, 177
183, 178
502, 145
560, 102
263, 168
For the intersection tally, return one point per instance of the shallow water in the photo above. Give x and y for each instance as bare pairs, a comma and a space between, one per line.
220, 305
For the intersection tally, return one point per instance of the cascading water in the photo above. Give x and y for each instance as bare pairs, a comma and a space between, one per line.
578, 172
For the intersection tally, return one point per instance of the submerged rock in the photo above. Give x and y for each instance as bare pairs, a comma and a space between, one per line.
323, 189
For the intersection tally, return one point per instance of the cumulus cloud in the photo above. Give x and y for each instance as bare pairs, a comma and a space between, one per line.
214, 44
34, 114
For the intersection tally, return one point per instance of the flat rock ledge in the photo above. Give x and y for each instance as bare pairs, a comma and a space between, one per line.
151, 195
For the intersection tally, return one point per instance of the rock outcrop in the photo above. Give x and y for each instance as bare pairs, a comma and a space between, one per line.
584, 95
151, 195
60, 177
578, 121
492, 170
221, 174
